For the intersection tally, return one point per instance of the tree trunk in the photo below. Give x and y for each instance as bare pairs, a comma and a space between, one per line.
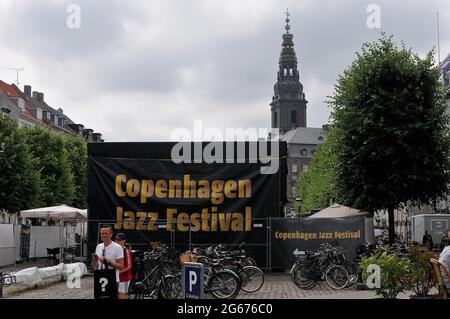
391, 226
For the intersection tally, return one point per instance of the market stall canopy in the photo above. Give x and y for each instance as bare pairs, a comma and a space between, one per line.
62, 212
338, 211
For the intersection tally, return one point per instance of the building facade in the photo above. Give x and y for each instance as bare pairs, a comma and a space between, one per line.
445, 74
302, 143
29, 108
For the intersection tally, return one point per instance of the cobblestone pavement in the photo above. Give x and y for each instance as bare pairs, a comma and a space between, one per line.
276, 286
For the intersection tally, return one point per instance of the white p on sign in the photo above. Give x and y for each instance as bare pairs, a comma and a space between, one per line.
192, 279
192, 282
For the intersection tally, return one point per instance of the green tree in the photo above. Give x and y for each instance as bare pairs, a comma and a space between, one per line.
316, 186
76, 149
389, 114
51, 160
19, 182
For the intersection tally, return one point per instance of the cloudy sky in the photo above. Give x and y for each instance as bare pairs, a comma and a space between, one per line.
137, 69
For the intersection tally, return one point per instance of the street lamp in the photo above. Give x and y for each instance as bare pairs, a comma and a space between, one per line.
299, 203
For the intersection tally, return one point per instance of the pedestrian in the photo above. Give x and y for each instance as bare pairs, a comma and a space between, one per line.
125, 275
445, 241
444, 258
108, 254
427, 240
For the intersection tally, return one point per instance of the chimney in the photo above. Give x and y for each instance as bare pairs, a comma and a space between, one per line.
27, 90
41, 97
87, 134
36, 95
97, 137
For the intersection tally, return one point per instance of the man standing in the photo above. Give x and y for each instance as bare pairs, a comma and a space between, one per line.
125, 273
108, 255
445, 239
427, 240
444, 259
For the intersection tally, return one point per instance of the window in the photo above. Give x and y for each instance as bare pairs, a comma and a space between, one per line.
320, 138
294, 191
294, 168
304, 152
294, 117
305, 168
284, 71
275, 119
291, 72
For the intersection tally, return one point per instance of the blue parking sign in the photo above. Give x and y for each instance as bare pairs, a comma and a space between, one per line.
192, 280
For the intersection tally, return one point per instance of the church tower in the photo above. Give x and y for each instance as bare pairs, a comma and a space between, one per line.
288, 105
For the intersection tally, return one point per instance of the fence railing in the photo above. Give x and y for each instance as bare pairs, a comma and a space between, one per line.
180, 237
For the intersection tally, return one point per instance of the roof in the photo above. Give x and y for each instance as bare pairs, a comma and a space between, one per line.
9, 89
338, 211
445, 64
62, 212
431, 215
304, 135
45, 107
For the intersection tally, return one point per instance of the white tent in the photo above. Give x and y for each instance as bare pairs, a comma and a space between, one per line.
55, 213
62, 213
339, 211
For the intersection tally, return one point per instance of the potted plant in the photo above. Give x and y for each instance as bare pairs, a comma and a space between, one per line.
420, 276
393, 273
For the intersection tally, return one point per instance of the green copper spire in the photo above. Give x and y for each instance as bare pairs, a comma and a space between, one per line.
287, 37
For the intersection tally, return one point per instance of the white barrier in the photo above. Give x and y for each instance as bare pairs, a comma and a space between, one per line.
7, 255
32, 276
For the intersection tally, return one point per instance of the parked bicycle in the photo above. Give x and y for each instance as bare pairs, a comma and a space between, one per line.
156, 276
328, 263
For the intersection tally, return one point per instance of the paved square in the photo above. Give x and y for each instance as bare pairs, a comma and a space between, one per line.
276, 286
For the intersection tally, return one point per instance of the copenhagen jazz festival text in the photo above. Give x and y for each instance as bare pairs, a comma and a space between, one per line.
208, 219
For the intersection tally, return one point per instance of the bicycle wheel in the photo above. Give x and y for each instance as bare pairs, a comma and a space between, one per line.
336, 277
136, 290
171, 287
300, 278
354, 274
252, 279
224, 285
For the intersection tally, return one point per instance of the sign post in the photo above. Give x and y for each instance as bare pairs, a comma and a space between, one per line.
193, 280
105, 284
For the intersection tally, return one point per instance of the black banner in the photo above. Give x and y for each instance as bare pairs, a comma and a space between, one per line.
292, 235
138, 189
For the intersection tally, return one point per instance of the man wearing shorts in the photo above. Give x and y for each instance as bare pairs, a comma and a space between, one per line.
125, 275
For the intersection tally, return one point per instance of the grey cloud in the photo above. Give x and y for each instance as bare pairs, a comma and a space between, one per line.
154, 65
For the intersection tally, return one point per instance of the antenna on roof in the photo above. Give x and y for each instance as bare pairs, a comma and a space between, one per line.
17, 74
